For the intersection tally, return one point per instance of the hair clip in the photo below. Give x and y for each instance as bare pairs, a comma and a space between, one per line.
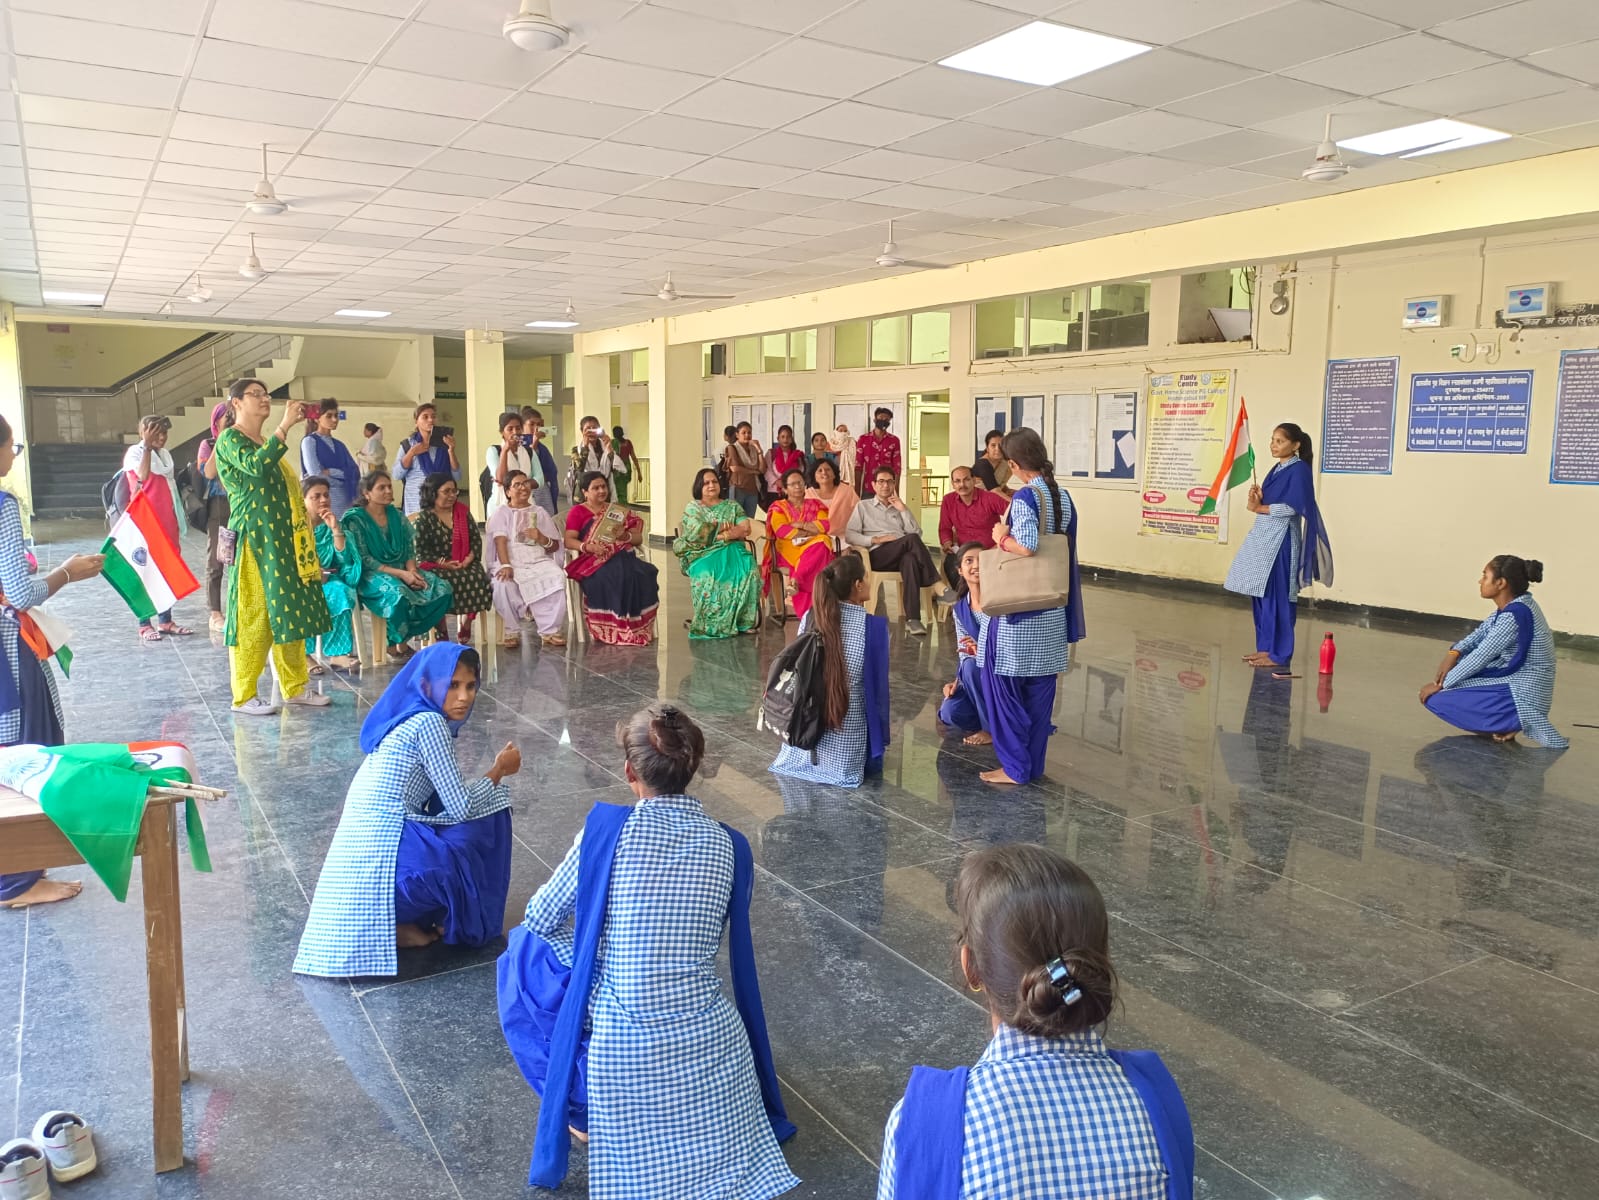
1062, 980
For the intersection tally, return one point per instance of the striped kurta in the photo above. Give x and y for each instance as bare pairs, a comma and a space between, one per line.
350, 930
1490, 646
675, 1109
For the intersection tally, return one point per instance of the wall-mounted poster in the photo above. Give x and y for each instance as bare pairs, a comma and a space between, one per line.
1576, 451
1469, 412
1187, 423
1357, 432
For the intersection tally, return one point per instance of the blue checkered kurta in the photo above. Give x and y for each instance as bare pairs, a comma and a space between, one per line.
675, 1108
22, 590
1036, 644
1251, 567
1490, 646
1049, 1119
350, 930
841, 754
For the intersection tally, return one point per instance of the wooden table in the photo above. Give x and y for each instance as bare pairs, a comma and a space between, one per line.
29, 841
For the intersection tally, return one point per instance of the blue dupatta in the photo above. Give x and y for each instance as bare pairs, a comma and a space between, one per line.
1294, 484
874, 684
1076, 625
1525, 627
932, 1127
602, 832
338, 463
420, 687
433, 461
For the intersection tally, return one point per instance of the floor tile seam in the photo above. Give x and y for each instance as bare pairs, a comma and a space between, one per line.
541, 728
942, 858
409, 1099
1550, 975
517, 838
1355, 1008
22, 1017
394, 983
909, 820
842, 1136
1237, 1171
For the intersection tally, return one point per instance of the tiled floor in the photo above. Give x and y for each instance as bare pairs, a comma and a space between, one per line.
1368, 950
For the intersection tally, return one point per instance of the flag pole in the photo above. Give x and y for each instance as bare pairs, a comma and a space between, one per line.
1254, 480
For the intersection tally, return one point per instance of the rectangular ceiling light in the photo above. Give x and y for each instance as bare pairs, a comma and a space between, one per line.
1429, 137
551, 325
92, 299
1044, 53
369, 313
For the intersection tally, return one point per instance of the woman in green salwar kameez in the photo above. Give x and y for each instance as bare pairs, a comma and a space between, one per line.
341, 574
411, 600
715, 553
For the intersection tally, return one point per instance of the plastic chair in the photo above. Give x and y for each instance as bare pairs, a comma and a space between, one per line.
875, 579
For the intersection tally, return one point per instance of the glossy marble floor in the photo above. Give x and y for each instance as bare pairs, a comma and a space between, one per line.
1368, 950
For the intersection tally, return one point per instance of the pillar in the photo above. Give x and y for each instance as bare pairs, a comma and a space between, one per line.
485, 401
14, 409
675, 395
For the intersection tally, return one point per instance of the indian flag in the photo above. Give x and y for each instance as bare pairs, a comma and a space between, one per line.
142, 564
1237, 464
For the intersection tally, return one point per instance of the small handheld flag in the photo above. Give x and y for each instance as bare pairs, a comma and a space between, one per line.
1237, 464
142, 564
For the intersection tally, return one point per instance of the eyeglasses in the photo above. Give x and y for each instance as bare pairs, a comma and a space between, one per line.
18, 447
257, 394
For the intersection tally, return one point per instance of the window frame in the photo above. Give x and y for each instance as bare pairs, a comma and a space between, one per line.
985, 400
1084, 294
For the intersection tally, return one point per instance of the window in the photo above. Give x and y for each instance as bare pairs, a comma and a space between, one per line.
1055, 322
1118, 315
890, 341
802, 350
1000, 325
850, 341
1096, 436
641, 367
615, 362
705, 360
930, 337
1216, 306
774, 354
747, 356
1108, 316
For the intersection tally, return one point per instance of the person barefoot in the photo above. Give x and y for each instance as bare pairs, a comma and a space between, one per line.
45, 891
981, 738
997, 776
408, 936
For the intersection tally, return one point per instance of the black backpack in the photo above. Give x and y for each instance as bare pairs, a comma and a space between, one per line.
485, 484
796, 696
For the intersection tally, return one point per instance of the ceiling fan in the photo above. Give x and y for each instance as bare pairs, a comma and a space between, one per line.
670, 294
567, 320
199, 293
890, 257
252, 269
265, 202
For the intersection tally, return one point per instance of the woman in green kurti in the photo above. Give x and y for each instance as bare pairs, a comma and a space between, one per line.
715, 554
341, 574
412, 601
274, 583
450, 543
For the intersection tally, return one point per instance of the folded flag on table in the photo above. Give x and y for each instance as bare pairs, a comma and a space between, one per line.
1237, 464
142, 564
95, 794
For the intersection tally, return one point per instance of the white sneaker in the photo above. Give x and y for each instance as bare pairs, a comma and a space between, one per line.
310, 699
24, 1171
68, 1143
915, 629
255, 707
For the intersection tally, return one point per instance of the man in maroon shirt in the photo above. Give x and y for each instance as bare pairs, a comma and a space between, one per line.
876, 448
967, 514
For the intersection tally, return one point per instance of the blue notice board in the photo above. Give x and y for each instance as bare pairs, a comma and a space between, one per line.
1470, 412
1576, 450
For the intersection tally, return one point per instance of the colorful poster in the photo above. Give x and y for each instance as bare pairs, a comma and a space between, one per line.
1358, 429
1188, 420
1576, 450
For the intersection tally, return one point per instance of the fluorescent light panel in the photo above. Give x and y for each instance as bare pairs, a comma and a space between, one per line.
370, 313
1429, 137
1044, 53
551, 325
86, 298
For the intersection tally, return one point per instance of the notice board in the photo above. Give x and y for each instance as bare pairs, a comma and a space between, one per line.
1187, 421
1469, 412
1575, 458
1357, 435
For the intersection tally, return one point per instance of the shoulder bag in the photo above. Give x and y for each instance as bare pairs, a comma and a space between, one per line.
1023, 583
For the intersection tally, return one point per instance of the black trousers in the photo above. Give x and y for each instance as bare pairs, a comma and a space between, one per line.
910, 558
952, 569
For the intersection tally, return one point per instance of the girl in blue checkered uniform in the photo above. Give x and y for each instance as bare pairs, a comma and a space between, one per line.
1048, 1113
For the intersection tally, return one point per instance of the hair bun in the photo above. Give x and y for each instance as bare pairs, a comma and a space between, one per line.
1534, 570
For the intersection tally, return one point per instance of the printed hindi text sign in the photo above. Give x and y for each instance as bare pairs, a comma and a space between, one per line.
1467, 412
1576, 450
1187, 423
1358, 429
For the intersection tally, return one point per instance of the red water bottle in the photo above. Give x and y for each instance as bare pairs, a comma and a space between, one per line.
1324, 692
1329, 654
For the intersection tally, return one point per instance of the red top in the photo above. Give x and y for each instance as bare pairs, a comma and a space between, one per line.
784, 461
959, 522
875, 450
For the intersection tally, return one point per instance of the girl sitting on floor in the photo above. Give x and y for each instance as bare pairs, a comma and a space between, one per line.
420, 854
1048, 1113
611, 1002
963, 708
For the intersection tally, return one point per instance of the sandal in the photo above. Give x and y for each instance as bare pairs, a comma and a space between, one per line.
149, 633
511, 643
315, 668
177, 630
399, 653
554, 639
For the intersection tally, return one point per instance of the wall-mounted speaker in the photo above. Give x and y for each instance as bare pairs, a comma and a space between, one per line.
718, 358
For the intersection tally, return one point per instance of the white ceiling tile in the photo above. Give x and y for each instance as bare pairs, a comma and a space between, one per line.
171, 16
642, 160
1135, 171
90, 114
1546, 112
656, 37
1058, 191
1222, 181
387, 88
1351, 120
402, 125
982, 178
1242, 145
863, 124
539, 113
1050, 112
1569, 137
253, 104
306, 168
594, 179
87, 164
1397, 63
555, 197
1500, 83
993, 207
296, 24
1148, 131
804, 65
682, 133
1291, 34
916, 195
896, 166
92, 141
1580, 61
226, 131
643, 207
1527, 27
939, 28
303, 74
1158, 78
367, 149
738, 174
785, 149
1159, 22
536, 144
1242, 103
484, 166
477, 57
68, 39
944, 92
787, 16
965, 141
689, 193
1054, 157
452, 184
95, 84
748, 104
585, 77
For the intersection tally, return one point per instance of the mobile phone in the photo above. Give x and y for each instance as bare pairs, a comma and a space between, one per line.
440, 432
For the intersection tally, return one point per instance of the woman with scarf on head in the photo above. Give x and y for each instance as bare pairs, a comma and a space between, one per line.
216, 517
421, 854
449, 543
1286, 549
323, 454
614, 1010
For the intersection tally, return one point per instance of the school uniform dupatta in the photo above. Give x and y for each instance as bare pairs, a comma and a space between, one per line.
1289, 484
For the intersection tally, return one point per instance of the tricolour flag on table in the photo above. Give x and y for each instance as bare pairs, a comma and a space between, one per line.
142, 563
1237, 464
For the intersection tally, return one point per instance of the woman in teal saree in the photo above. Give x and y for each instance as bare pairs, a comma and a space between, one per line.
715, 554
411, 600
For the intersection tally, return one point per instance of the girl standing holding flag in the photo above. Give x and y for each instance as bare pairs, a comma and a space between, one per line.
1286, 548
30, 707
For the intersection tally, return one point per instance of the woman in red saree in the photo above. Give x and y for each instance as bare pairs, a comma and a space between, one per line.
798, 531
620, 590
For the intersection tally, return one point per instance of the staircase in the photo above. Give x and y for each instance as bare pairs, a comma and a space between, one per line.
67, 479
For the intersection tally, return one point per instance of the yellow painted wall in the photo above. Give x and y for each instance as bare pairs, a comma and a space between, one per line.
93, 355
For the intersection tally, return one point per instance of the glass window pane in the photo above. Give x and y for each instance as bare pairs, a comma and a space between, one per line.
802, 350
615, 362
999, 329
1118, 315
849, 343
930, 337
774, 353
641, 366
747, 356
705, 360
1055, 323
890, 338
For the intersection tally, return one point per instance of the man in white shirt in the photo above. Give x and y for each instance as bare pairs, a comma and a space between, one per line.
887, 531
